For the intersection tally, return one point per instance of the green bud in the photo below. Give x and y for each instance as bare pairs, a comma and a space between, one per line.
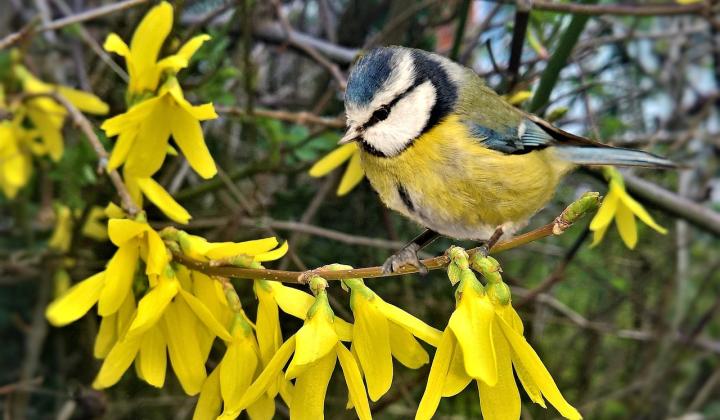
233, 299
499, 293
453, 272
321, 304
242, 260
488, 267
467, 276
556, 113
317, 284
458, 256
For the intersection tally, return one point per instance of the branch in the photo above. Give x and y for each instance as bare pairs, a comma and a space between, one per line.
570, 215
13, 38
293, 117
648, 10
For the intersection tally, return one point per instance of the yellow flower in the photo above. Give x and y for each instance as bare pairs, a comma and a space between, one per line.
139, 186
168, 323
619, 205
256, 251
316, 347
354, 172
47, 115
110, 288
93, 227
15, 156
143, 132
62, 234
483, 341
141, 57
382, 331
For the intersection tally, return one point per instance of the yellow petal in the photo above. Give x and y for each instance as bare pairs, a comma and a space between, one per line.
106, 337
269, 374
148, 151
117, 362
641, 213
152, 358
356, 390
519, 97
204, 288
84, 101
501, 401
436, 379
209, 403
190, 48
76, 301
147, 41
472, 324
316, 339
606, 212
237, 369
267, 323
406, 348
333, 159
95, 228
625, 221
119, 276
371, 340
524, 355
122, 230
292, 301
125, 315
262, 409
185, 356
310, 388
200, 112
353, 175
157, 255
457, 379
417, 327
232, 249
163, 200
273, 255
204, 315
114, 44
152, 306
132, 119
189, 137
49, 131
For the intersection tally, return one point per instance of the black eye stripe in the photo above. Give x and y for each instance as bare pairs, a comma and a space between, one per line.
383, 112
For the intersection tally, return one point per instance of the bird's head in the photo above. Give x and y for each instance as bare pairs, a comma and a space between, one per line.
394, 95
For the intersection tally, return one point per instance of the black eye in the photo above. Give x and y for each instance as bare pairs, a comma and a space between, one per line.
381, 113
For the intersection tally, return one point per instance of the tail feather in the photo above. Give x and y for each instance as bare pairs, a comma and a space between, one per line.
612, 156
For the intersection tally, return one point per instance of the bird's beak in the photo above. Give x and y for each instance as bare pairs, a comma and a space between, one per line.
351, 136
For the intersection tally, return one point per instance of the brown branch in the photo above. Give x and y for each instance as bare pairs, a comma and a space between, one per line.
293, 117
623, 10
86, 127
571, 214
11, 39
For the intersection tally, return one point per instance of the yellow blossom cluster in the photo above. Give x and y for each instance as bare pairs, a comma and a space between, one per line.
31, 123
157, 110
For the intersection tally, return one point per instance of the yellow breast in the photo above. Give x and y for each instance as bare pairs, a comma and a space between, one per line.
448, 182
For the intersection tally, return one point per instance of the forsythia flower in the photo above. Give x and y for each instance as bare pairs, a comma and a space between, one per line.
62, 234
47, 115
354, 172
316, 347
109, 288
15, 156
483, 341
139, 186
382, 331
619, 205
143, 133
141, 57
248, 252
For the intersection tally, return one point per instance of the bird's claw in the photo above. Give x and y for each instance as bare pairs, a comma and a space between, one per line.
406, 256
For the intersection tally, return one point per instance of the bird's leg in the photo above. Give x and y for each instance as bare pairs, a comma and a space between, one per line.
408, 254
487, 245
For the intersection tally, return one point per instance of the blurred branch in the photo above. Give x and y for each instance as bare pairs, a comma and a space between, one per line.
649, 10
273, 32
522, 17
293, 117
460, 31
13, 38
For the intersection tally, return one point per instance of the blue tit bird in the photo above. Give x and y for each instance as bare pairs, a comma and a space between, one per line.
445, 150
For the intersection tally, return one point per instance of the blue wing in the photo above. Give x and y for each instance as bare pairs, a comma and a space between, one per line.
524, 138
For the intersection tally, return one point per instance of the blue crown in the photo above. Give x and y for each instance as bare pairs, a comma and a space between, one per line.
368, 75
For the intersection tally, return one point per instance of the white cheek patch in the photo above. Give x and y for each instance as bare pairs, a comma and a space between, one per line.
401, 78
405, 122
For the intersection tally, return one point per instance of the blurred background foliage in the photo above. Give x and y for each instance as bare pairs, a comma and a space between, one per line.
627, 334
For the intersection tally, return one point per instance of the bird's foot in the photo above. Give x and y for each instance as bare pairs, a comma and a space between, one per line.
406, 256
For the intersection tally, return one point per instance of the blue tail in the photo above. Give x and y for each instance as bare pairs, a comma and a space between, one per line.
584, 155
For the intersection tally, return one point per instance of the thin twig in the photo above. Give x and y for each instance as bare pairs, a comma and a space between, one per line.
289, 116
649, 10
86, 127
